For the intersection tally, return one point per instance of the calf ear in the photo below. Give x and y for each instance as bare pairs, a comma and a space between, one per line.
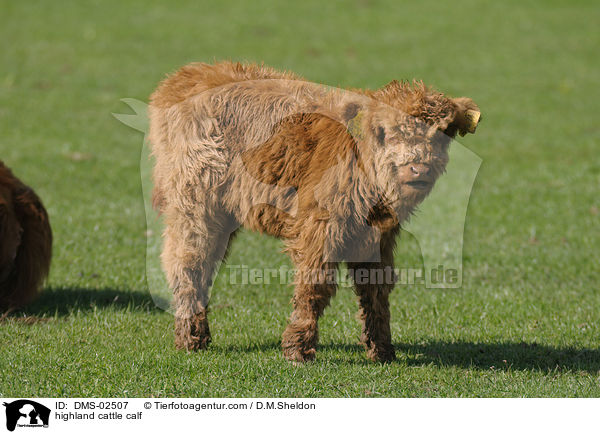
350, 111
467, 116
352, 116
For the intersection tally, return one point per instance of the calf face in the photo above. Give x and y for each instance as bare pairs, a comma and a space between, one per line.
408, 131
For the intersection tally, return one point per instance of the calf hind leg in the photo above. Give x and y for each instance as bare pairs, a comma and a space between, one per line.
193, 248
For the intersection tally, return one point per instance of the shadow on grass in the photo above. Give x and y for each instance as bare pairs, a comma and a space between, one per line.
503, 356
64, 301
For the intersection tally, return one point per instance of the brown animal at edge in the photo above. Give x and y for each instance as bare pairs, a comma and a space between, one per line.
25, 242
333, 173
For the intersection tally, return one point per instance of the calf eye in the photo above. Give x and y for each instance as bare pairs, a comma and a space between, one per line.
380, 134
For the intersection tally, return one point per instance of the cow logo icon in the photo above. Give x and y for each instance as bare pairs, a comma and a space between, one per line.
26, 413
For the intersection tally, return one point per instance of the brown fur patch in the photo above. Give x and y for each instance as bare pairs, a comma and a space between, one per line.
25, 242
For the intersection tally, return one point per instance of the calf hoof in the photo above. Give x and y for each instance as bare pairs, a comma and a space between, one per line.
299, 356
382, 355
298, 343
192, 334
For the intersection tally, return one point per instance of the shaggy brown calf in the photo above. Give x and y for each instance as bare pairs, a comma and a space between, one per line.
25, 242
333, 173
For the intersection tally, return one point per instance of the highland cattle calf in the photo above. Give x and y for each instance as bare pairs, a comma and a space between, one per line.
331, 172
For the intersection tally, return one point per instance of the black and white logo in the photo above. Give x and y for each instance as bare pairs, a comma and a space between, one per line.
26, 413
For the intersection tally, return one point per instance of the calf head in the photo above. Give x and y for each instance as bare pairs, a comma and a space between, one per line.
406, 130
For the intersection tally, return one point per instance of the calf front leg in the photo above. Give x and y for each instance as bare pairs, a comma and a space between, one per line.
373, 282
314, 289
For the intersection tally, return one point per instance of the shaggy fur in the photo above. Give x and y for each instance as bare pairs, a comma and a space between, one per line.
25, 242
333, 173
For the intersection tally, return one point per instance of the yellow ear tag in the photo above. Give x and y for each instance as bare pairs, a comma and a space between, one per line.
472, 117
355, 127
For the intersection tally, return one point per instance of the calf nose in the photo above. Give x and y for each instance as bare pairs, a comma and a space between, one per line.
419, 170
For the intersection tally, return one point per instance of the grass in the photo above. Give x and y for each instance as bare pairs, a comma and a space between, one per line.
524, 323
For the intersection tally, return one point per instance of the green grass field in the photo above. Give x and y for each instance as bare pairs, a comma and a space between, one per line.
524, 323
